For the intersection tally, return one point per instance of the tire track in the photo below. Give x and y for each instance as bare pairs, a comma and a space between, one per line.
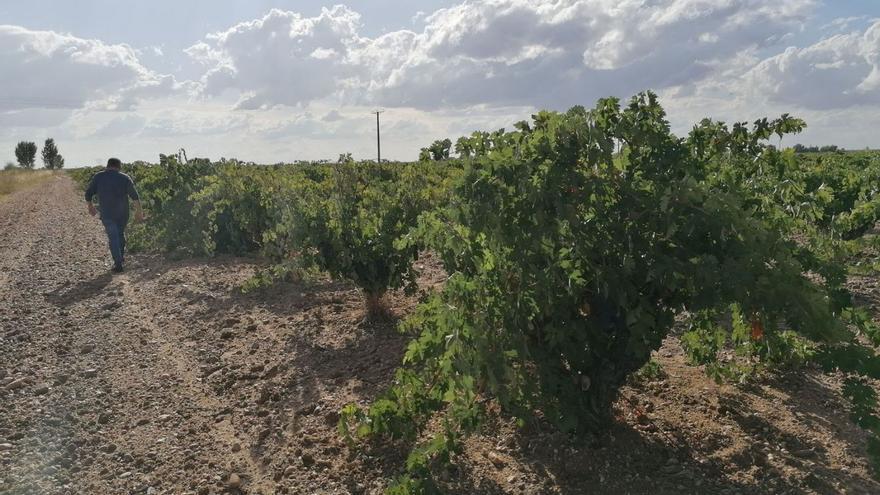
171, 352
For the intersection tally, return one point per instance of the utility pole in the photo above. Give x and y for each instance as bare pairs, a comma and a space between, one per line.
378, 138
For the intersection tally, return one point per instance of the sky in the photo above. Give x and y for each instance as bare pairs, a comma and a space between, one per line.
275, 81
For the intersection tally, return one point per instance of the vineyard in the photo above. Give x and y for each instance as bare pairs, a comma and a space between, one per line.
571, 247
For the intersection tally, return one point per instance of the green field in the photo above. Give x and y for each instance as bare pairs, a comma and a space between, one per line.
573, 244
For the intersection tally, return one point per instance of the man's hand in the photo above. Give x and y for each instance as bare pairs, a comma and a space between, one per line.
92, 210
138, 212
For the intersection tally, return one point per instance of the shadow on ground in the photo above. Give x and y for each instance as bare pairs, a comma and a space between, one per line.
322, 354
69, 294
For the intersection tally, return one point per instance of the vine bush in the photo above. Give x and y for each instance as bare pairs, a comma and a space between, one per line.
569, 263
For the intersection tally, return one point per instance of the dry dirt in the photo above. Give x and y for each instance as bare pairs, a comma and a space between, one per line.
166, 379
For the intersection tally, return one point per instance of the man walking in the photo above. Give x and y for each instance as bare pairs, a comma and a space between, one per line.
113, 189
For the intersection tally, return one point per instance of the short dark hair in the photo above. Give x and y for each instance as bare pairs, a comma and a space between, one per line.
114, 163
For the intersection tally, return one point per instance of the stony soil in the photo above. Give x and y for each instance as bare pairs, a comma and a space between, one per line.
166, 379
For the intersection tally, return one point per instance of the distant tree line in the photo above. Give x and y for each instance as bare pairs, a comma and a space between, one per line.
799, 148
26, 155
479, 143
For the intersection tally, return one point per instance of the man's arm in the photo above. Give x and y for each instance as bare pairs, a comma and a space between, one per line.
136, 200
90, 194
138, 211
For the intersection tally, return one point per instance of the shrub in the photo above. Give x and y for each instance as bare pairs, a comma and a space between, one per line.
347, 221
568, 264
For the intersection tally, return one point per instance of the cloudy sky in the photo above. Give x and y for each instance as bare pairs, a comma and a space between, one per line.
272, 80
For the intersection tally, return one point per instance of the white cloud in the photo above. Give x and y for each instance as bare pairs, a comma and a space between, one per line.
332, 116
282, 58
32, 117
843, 23
125, 125
836, 72
489, 51
45, 69
288, 86
183, 123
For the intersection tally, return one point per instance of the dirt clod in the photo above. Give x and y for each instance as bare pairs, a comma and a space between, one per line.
234, 481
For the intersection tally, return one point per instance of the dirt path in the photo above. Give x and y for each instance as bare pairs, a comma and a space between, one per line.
166, 380
100, 392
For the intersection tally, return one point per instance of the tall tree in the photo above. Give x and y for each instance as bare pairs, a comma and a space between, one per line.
464, 147
439, 149
26, 153
51, 158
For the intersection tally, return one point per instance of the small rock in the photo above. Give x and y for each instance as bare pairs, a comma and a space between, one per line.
41, 390
289, 471
805, 453
204, 490
307, 460
227, 334
90, 373
234, 481
87, 348
103, 418
671, 469
109, 448
685, 473
5, 447
236, 447
17, 384
264, 434
496, 459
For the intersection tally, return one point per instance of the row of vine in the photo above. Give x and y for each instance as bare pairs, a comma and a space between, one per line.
573, 244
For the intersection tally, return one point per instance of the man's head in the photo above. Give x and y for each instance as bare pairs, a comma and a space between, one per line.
114, 163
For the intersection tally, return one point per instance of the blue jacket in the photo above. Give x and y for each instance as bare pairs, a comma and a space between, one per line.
113, 189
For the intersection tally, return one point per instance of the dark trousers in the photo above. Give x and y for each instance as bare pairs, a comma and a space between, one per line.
116, 236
